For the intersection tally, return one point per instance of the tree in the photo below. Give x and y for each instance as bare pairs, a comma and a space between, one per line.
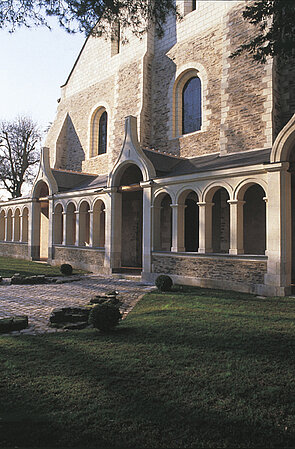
89, 16
275, 20
19, 152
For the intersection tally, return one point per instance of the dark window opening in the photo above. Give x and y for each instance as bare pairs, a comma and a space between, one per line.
102, 138
194, 5
191, 106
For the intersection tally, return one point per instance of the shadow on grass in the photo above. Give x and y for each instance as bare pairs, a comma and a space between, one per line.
108, 391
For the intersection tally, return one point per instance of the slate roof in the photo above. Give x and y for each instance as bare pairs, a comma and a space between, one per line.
166, 165
67, 180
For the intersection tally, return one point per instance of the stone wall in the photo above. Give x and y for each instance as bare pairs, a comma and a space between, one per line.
213, 271
84, 258
17, 250
237, 93
248, 91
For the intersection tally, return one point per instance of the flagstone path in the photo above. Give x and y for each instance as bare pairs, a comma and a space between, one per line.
37, 301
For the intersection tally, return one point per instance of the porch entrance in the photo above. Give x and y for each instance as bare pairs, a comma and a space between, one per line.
131, 233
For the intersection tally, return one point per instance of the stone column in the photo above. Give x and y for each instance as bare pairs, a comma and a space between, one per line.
12, 228
147, 228
178, 227
6, 228
90, 227
116, 229
50, 229
279, 231
34, 230
236, 227
64, 228
77, 240
205, 227
20, 227
108, 232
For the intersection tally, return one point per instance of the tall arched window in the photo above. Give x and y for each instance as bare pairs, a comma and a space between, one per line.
102, 138
191, 106
99, 130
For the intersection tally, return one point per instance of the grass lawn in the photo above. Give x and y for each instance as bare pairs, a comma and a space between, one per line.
193, 368
10, 266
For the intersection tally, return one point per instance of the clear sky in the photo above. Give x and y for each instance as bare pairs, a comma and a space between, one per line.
35, 62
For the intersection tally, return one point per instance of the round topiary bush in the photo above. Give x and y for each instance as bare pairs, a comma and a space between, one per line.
66, 269
164, 283
105, 316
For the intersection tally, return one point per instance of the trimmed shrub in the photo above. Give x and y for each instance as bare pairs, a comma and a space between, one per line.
105, 316
164, 283
66, 269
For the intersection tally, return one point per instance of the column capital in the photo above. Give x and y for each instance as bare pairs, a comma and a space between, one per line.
204, 203
239, 202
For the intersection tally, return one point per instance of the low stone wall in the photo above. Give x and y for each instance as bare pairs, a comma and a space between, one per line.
13, 249
244, 274
84, 258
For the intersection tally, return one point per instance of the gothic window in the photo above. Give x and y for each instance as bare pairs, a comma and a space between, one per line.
102, 139
194, 5
191, 106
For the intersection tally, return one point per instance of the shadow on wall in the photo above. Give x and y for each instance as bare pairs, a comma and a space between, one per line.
69, 151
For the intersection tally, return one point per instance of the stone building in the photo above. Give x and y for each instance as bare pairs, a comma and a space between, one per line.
168, 156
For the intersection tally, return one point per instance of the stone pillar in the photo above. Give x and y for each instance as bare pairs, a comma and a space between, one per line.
236, 227
147, 228
77, 240
156, 220
266, 221
20, 228
279, 230
50, 229
64, 228
116, 229
12, 228
108, 233
178, 227
90, 227
205, 227
6, 228
34, 230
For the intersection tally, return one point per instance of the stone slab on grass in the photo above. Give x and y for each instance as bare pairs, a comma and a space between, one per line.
15, 323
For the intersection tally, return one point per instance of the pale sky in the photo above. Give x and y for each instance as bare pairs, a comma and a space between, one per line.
35, 62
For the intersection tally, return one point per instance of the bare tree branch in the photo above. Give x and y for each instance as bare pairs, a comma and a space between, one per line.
19, 153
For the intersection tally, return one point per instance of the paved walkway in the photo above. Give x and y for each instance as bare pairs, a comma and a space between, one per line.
37, 301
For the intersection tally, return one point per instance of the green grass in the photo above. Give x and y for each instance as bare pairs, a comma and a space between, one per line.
10, 266
188, 369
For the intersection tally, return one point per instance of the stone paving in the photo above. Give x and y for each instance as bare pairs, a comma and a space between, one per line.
37, 301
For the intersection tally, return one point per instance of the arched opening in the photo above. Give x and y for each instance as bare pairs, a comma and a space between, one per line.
9, 226
220, 221
71, 224
131, 225
84, 224
254, 220
58, 224
99, 224
2, 225
162, 223
25, 225
191, 223
16, 236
